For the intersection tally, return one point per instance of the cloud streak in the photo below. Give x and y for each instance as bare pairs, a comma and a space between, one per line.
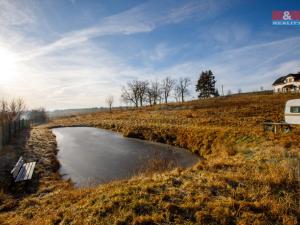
73, 70
140, 19
246, 67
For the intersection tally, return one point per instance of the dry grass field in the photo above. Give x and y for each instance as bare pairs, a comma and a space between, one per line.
246, 176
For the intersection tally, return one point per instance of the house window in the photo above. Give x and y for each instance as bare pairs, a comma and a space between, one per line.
295, 109
289, 80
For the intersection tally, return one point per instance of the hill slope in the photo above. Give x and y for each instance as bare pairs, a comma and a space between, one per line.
246, 176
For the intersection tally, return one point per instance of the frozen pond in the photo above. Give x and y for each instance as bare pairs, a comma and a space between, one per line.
91, 155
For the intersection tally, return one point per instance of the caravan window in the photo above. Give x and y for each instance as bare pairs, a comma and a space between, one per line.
295, 109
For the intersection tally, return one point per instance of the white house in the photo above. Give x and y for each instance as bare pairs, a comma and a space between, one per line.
288, 83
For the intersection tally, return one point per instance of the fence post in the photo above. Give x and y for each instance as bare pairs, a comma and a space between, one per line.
4, 132
1, 137
9, 131
16, 127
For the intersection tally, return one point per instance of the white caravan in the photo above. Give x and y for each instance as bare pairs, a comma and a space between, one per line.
292, 111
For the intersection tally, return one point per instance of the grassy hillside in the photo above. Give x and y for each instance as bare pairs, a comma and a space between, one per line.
246, 176
205, 126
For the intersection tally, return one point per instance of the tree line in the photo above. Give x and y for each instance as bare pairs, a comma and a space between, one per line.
15, 109
11, 110
141, 92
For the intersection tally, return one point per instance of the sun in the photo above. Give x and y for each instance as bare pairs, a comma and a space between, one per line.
8, 65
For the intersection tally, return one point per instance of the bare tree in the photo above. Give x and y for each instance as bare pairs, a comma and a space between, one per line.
239, 90
149, 96
135, 92
109, 101
142, 87
21, 107
156, 89
182, 87
16, 108
127, 96
4, 110
12, 110
38, 116
167, 86
154, 92
229, 92
177, 94
130, 94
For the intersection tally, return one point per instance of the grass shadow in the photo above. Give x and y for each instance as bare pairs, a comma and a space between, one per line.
9, 156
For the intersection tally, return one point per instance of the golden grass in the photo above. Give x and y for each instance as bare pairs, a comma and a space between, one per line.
246, 176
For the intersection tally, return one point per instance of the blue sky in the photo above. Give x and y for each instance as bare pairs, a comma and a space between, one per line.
73, 53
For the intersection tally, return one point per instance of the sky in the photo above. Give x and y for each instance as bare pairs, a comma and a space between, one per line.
61, 54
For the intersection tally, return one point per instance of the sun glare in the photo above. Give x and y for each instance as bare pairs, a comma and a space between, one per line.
8, 65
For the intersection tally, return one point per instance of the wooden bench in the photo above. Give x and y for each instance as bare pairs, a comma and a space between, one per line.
22, 171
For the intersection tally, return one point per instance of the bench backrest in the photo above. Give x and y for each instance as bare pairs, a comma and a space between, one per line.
15, 171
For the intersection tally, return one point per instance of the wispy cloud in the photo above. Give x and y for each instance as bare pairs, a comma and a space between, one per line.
200, 9
140, 19
21, 15
74, 70
246, 67
161, 51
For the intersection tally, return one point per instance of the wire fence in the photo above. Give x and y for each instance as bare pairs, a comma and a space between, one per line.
9, 130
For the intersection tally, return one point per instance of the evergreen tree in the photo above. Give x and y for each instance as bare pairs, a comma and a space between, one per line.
206, 85
217, 93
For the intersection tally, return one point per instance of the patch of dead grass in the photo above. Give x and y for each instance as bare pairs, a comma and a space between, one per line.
246, 176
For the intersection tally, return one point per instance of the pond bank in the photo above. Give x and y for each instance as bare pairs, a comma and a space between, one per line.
253, 181
95, 155
203, 194
35, 144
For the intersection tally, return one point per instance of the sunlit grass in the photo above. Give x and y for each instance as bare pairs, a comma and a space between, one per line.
246, 176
